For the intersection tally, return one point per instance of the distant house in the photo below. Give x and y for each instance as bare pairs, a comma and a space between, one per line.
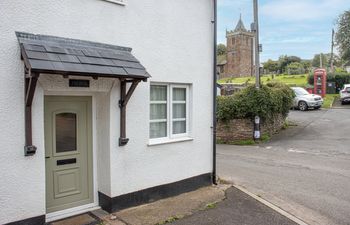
221, 67
104, 103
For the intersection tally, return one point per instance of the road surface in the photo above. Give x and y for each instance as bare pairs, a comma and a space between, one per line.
304, 170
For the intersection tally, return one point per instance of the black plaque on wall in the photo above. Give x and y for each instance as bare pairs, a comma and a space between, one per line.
79, 83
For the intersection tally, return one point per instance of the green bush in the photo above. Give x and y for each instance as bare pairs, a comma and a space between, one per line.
310, 79
271, 99
340, 78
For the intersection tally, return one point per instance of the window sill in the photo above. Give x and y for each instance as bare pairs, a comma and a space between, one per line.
162, 142
115, 2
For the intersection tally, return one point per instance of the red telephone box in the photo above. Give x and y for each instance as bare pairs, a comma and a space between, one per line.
320, 78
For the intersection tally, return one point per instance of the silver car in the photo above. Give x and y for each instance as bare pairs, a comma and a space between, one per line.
304, 100
345, 94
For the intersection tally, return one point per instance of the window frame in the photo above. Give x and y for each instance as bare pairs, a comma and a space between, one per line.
169, 120
167, 112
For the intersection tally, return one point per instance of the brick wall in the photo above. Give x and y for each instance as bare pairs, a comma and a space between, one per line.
242, 129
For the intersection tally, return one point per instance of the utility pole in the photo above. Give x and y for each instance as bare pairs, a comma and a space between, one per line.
321, 64
332, 52
257, 50
257, 66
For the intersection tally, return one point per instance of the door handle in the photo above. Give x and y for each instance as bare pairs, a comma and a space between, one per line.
66, 161
47, 157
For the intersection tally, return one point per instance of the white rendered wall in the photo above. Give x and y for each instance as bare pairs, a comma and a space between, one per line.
172, 39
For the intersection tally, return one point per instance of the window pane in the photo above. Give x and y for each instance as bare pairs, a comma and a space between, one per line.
158, 111
179, 94
158, 93
158, 130
179, 127
66, 132
179, 110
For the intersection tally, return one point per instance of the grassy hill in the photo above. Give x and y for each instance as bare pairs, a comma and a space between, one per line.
291, 80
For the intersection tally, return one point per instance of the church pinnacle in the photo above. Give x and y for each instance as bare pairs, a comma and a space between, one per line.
240, 25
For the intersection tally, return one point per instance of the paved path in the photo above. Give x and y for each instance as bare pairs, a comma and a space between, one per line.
305, 170
337, 104
237, 209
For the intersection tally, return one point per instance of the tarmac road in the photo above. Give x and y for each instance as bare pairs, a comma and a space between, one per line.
304, 170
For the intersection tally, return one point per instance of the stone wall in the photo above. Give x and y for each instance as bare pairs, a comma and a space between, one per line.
242, 129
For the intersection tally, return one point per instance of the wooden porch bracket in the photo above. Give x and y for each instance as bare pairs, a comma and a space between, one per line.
30, 85
124, 98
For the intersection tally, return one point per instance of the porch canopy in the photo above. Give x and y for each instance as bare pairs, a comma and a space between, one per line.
44, 54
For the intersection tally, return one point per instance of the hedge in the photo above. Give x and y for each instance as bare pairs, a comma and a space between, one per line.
339, 78
271, 99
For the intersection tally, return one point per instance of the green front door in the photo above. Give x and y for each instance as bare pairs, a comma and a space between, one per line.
68, 152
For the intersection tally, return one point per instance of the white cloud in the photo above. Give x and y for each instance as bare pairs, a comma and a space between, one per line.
300, 10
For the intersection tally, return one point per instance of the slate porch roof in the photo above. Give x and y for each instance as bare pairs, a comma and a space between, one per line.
57, 55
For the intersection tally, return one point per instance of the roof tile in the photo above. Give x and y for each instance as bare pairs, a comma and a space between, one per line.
68, 58
54, 49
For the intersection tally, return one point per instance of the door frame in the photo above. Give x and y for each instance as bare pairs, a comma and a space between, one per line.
94, 205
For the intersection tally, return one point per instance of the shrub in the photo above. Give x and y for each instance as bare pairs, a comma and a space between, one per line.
271, 99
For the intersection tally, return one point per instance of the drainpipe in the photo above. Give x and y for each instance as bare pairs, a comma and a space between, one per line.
214, 92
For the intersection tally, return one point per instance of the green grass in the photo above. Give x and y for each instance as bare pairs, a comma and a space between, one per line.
288, 124
170, 220
291, 80
239, 142
264, 138
211, 205
328, 100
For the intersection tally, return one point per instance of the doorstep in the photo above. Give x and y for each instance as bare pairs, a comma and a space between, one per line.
82, 219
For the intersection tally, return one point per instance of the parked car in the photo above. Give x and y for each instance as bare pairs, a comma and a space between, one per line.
345, 94
304, 100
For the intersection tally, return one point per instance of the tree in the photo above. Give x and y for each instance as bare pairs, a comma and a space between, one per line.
292, 59
271, 66
295, 68
325, 60
342, 36
221, 49
282, 63
285, 60
306, 65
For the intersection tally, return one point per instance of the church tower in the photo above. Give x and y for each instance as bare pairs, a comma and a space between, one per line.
239, 52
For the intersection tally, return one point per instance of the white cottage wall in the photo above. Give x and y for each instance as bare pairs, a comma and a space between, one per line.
172, 39
103, 153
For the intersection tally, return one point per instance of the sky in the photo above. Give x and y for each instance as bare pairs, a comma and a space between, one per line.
287, 27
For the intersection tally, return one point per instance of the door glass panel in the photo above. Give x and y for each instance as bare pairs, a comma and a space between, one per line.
66, 132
